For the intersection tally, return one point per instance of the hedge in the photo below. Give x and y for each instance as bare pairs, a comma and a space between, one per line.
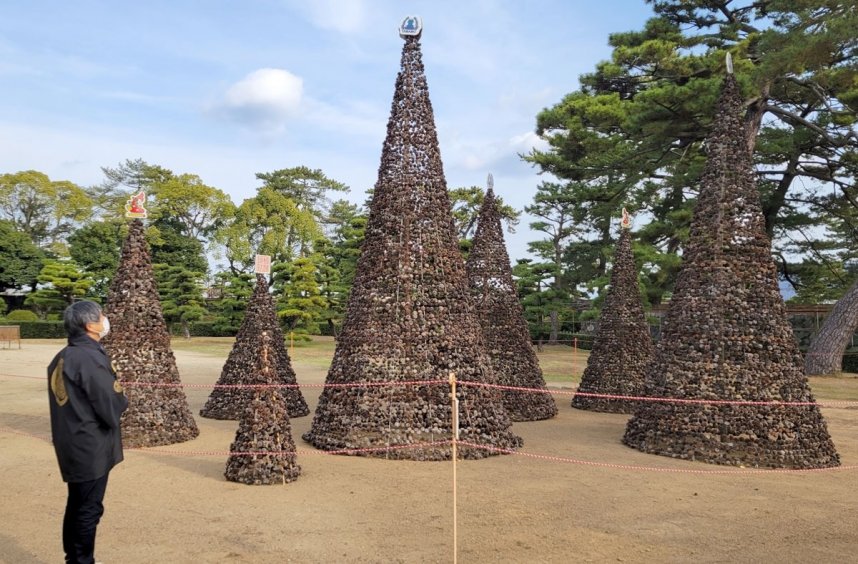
204, 329
39, 329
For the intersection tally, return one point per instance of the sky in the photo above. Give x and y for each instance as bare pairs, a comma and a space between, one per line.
228, 89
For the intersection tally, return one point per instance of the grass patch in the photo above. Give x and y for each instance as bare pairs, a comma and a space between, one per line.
562, 365
317, 352
844, 387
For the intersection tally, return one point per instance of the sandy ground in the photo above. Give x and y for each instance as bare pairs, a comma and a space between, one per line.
179, 508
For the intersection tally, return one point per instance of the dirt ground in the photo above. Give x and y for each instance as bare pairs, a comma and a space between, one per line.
179, 508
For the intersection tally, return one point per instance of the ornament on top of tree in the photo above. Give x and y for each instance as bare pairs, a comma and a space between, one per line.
135, 207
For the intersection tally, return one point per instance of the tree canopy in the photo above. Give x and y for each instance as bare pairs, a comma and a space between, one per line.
632, 135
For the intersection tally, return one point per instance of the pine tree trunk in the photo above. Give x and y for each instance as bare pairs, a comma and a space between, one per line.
186, 329
825, 355
555, 327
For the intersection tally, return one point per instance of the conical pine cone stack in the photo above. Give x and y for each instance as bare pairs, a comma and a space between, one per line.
263, 451
409, 316
622, 350
228, 403
726, 336
139, 347
502, 320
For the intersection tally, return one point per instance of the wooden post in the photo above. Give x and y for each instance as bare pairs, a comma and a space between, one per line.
454, 424
574, 355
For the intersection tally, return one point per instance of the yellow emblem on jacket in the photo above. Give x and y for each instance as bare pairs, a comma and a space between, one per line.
117, 387
58, 385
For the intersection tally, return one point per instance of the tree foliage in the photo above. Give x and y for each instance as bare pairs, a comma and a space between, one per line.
300, 305
632, 135
231, 294
96, 248
197, 210
46, 210
20, 259
62, 282
181, 295
307, 187
269, 223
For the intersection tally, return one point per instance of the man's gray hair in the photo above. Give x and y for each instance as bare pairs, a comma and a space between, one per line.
78, 315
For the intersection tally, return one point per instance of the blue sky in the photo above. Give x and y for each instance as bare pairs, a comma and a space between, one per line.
227, 89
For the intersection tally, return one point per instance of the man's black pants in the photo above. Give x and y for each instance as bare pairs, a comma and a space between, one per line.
83, 511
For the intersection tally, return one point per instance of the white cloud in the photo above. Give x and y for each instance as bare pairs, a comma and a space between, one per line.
263, 100
526, 141
343, 16
475, 154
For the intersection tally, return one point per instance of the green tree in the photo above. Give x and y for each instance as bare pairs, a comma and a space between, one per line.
633, 134
120, 182
332, 288
269, 223
181, 295
554, 209
62, 283
20, 259
337, 259
533, 282
301, 305
307, 187
230, 304
285, 217
197, 210
172, 247
46, 210
96, 247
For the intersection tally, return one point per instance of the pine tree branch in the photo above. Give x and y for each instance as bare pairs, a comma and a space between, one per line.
794, 119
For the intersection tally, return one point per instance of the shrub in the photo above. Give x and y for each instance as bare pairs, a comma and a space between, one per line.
22, 315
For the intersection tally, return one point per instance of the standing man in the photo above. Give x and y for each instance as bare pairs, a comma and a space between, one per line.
86, 403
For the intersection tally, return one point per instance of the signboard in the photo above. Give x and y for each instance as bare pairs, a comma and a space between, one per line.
411, 26
263, 264
134, 206
627, 220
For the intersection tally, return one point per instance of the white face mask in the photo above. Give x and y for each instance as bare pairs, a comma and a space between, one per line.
105, 329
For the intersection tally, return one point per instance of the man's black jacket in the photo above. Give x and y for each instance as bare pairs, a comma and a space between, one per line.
86, 403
